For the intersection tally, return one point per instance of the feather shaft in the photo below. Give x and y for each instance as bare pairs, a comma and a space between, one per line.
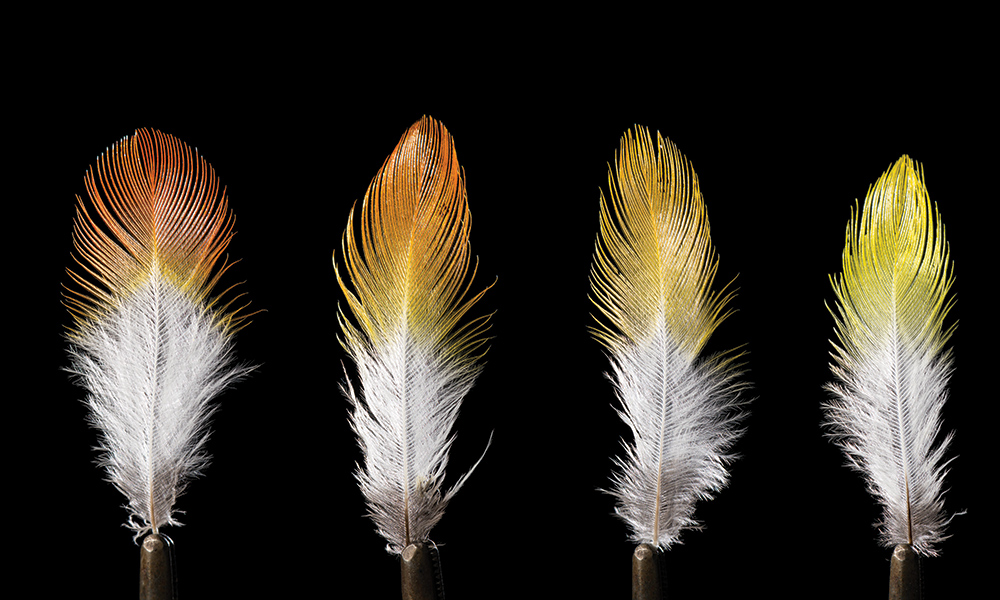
651, 282
148, 344
409, 290
890, 361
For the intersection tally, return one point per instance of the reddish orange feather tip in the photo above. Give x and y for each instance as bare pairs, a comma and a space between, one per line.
154, 208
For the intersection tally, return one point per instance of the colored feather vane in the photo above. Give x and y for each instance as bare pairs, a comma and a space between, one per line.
651, 279
147, 342
890, 365
416, 360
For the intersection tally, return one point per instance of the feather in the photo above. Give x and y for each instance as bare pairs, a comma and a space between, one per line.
890, 364
652, 284
416, 360
147, 342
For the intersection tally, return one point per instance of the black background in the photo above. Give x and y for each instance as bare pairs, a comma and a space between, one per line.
783, 143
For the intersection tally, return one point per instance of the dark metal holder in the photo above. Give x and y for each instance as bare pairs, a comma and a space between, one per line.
904, 574
420, 569
157, 575
648, 580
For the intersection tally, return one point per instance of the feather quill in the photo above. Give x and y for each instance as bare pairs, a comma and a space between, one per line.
890, 363
148, 343
651, 279
409, 289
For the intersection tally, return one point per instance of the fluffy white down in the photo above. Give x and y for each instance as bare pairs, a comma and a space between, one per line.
683, 417
152, 367
404, 416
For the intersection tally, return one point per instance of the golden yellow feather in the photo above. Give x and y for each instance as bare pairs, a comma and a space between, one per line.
652, 282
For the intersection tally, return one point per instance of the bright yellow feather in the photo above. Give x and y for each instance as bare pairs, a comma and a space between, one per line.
891, 366
896, 270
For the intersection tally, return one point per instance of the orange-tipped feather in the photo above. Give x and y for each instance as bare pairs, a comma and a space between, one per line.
148, 343
161, 212
409, 289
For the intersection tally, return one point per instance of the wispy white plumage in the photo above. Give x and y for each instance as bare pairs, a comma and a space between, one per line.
149, 345
891, 366
651, 278
408, 293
